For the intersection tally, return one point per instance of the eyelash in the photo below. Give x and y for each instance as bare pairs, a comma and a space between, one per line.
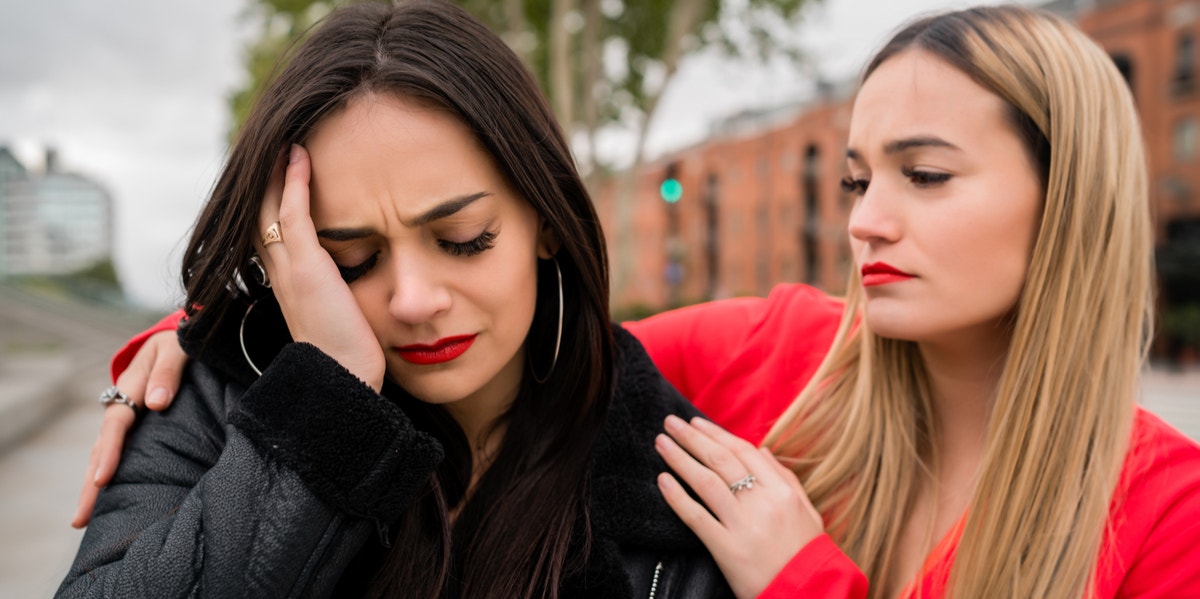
921, 179
925, 178
484, 242
854, 186
353, 273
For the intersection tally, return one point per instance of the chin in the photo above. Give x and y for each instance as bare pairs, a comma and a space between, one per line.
890, 321
438, 388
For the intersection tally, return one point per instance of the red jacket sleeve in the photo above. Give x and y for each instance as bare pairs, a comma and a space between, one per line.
121, 359
819, 569
1157, 551
691, 345
743, 361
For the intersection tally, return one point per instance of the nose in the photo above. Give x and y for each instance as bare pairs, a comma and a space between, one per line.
874, 217
419, 291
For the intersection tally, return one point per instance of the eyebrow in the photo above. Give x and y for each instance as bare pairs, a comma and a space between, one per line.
908, 143
443, 210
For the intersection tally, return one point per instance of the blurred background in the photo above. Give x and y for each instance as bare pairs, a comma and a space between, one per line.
711, 133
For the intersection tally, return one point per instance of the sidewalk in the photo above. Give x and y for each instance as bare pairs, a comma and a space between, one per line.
1175, 397
33, 389
35, 368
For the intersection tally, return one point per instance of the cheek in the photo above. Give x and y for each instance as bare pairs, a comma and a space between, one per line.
994, 251
372, 298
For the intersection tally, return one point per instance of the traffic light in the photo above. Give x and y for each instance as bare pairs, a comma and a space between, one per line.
671, 190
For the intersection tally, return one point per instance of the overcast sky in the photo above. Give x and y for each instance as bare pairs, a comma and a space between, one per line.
133, 94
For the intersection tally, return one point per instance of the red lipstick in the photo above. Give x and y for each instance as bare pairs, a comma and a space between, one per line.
882, 273
442, 350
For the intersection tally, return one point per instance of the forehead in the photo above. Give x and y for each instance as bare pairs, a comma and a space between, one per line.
382, 149
916, 93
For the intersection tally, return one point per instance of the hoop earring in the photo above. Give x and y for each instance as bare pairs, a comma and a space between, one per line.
242, 338
261, 274
558, 338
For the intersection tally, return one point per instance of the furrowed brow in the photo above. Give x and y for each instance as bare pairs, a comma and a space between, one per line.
344, 234
448, 208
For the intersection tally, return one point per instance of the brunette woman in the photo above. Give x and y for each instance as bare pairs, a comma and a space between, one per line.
403, 377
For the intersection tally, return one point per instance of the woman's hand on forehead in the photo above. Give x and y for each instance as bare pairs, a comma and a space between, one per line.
316, 302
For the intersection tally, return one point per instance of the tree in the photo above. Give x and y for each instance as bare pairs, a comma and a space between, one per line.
602, 63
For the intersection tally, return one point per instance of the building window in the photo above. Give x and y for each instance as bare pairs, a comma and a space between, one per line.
712, 247
811, 225
1184, 139
763, 259
1184, 80
1125, 66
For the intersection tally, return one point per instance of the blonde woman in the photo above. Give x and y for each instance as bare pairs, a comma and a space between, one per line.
973, 430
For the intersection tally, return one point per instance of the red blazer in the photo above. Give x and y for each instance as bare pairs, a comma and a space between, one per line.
743, 361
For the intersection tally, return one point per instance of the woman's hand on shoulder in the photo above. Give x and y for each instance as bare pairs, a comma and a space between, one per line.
758, 515
316, 302
150, 380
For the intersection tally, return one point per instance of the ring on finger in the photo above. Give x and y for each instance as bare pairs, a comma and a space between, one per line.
744, 484
114, 395
273, 234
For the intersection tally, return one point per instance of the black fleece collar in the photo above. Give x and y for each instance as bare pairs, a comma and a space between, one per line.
626, 510
625, 502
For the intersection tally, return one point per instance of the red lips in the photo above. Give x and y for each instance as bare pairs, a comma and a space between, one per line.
442, 350
882, 273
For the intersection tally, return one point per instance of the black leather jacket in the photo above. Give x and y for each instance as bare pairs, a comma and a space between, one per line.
271, 487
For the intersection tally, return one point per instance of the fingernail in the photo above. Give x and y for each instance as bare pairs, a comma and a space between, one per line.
294, 155
666, 481
660, 441
157, 397
673, 423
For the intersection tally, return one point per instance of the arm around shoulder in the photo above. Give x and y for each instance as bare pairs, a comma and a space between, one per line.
231, 493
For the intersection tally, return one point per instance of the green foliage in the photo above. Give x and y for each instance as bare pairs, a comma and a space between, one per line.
96, 284
1183, 323
102, 272
282, 23
642, 28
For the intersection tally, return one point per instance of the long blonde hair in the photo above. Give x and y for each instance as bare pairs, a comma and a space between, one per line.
859, 435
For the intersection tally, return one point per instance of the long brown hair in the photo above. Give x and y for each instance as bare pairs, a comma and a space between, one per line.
511, 538
860, 433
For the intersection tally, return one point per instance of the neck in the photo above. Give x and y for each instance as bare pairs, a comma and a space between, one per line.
480, 415
964, 374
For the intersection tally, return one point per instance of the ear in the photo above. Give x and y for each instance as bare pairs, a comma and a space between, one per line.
548, 243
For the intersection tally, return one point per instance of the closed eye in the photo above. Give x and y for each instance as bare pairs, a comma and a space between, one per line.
925, 178
483, 243
855, 186
353, 273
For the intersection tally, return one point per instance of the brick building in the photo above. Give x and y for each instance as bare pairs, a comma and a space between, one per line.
761, 201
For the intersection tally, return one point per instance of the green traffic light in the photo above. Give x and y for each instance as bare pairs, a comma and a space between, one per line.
671, 190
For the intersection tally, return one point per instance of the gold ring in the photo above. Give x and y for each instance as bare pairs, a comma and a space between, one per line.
272, 234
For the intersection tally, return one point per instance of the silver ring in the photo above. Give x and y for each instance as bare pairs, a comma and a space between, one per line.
745, 484
114, 395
